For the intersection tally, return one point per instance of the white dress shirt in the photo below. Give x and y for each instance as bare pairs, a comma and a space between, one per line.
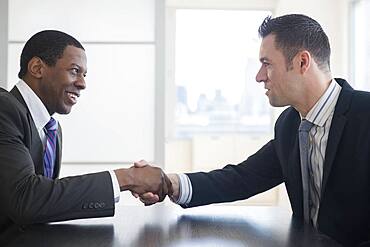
321, 115
41, 117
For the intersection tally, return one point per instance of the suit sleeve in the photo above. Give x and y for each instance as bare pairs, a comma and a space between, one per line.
30, 198
258, 173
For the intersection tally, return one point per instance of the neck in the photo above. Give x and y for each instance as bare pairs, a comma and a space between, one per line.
34, 84
312, 91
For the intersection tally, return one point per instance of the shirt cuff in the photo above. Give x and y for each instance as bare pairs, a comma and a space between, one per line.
185, 190
115, 184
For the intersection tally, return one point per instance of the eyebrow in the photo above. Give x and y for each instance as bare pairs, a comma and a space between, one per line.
264, 59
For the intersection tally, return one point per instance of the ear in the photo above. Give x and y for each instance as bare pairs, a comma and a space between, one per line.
304, 60
36, 67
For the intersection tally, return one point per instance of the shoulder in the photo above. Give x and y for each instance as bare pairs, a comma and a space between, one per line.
351, 97
361, 96
12, 112
360, 102
9, 102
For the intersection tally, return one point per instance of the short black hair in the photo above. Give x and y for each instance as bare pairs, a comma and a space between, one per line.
296, 32
48, 45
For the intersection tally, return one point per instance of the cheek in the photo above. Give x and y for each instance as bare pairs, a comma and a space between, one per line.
270, 72
49, 90
276, 79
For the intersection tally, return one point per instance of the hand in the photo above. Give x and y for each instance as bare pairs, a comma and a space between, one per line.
150, 198
143, 178
147, 198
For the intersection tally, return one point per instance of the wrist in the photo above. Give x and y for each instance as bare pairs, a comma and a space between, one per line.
124, 178
175, 186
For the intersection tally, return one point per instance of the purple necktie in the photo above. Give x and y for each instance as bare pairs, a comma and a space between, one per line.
50, 147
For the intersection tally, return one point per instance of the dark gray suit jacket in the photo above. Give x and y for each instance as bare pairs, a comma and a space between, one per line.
27, 196
344, 212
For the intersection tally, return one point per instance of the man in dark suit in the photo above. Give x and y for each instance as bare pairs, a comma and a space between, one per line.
326, 177
52, 73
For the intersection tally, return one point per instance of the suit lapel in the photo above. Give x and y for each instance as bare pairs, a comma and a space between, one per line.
294, 167
296, 178
336, 129
36, 149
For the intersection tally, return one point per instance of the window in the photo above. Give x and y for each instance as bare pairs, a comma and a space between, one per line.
221, 114
215, 66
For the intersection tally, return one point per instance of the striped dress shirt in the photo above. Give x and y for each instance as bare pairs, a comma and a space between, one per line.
321, 116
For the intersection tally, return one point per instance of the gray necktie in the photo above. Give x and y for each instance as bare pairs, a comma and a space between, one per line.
304, 128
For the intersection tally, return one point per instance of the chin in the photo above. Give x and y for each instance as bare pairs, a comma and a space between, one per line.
278, 104
65, 110
275, 103
272, 102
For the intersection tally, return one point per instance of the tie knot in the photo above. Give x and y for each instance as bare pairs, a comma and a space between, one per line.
51, 125
305, 125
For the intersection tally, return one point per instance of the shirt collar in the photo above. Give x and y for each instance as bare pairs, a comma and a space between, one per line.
325, 106
39, 113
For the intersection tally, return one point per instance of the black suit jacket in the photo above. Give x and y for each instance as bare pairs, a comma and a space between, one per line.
26, 195
344, 212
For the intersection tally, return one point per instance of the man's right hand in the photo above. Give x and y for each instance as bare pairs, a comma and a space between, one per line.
150, 198
145, 179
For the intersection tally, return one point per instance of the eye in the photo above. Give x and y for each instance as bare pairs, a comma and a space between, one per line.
74, 71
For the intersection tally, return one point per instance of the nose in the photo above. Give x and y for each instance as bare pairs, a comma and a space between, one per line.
80, 83
261, 74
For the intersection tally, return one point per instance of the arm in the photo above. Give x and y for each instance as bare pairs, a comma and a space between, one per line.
258, 173
28, 197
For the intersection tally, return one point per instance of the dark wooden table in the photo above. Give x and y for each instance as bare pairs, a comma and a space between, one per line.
170, 225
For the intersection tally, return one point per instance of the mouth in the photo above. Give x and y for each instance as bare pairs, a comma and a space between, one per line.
267, 91
72, 96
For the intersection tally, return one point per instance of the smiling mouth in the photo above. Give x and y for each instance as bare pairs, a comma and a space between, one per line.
72, 96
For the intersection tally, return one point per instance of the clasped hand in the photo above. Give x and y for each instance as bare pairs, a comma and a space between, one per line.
149, 183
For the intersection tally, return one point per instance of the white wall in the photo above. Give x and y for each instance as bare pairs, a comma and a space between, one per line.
333, 15
118, 118
223, 4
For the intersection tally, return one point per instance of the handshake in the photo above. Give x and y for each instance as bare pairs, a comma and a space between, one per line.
148, 183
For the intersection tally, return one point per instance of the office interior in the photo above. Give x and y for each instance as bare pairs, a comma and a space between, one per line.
172, 81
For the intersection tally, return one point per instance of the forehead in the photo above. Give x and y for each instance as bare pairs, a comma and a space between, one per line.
268, 48
73, 55
268, 41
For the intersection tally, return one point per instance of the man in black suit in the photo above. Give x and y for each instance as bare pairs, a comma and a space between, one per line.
52, 73
332, 191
